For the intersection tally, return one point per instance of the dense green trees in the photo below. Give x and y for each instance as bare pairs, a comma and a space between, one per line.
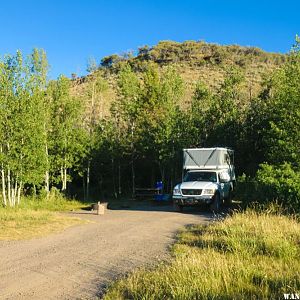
272, 121
272, 127
145, 116
39, 127
66, 145
49, 137
23, 159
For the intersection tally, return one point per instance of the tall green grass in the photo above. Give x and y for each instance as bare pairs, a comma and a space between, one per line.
54, 202
249, 255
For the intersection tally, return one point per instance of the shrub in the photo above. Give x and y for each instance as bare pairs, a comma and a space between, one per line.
279, 183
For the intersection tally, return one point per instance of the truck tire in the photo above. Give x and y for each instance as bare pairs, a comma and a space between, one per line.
215, 205
177, 207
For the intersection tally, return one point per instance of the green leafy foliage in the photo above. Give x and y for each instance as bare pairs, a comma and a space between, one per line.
284, 114
280, 184
39, 127
66, 137
22, 82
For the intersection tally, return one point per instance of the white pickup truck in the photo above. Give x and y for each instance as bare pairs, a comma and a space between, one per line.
209, 178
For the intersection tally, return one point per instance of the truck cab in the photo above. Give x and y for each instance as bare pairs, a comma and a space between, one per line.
209, 179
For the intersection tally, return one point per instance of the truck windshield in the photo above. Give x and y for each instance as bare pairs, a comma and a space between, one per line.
200, 176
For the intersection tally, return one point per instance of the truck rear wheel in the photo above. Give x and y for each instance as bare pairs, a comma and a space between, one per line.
215, 205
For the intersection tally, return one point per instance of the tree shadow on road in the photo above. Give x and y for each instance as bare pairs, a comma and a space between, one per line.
155, 206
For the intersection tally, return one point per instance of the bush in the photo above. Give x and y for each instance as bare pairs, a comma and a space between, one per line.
279, 183
272, 183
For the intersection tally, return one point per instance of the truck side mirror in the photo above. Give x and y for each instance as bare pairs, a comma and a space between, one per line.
224, 177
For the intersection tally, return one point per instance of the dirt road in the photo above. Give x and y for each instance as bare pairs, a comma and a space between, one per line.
79, 262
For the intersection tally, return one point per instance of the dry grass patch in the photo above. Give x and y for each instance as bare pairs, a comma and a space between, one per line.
37, 217
19, 224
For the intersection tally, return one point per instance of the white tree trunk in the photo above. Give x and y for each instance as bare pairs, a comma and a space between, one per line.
65, 178
63, 175
19, 193
9, 188
62, 178
3, 186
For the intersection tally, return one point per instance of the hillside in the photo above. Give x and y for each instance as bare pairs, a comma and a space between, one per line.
194, 61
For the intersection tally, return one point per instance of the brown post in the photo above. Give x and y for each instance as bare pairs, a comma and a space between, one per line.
100, 209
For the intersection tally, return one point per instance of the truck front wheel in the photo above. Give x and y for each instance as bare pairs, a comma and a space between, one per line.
215, 205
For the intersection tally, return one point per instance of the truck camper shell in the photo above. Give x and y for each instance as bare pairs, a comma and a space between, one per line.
208, 158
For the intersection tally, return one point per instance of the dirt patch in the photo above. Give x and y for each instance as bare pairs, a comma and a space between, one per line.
79, 262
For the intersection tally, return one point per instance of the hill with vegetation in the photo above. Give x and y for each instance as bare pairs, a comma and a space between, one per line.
194, 61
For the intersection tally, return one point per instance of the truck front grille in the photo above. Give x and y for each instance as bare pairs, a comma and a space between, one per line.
191, 192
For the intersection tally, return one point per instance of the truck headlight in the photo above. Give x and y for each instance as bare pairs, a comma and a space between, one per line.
209, 192
176, 191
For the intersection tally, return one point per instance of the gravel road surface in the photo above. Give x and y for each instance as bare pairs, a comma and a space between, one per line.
79, 262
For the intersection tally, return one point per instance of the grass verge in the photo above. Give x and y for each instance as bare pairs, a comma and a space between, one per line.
36, 217
249, 255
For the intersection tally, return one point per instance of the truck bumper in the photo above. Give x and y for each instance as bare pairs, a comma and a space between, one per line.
192, 200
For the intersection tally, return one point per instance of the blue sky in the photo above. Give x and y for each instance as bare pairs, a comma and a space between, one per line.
72, 31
